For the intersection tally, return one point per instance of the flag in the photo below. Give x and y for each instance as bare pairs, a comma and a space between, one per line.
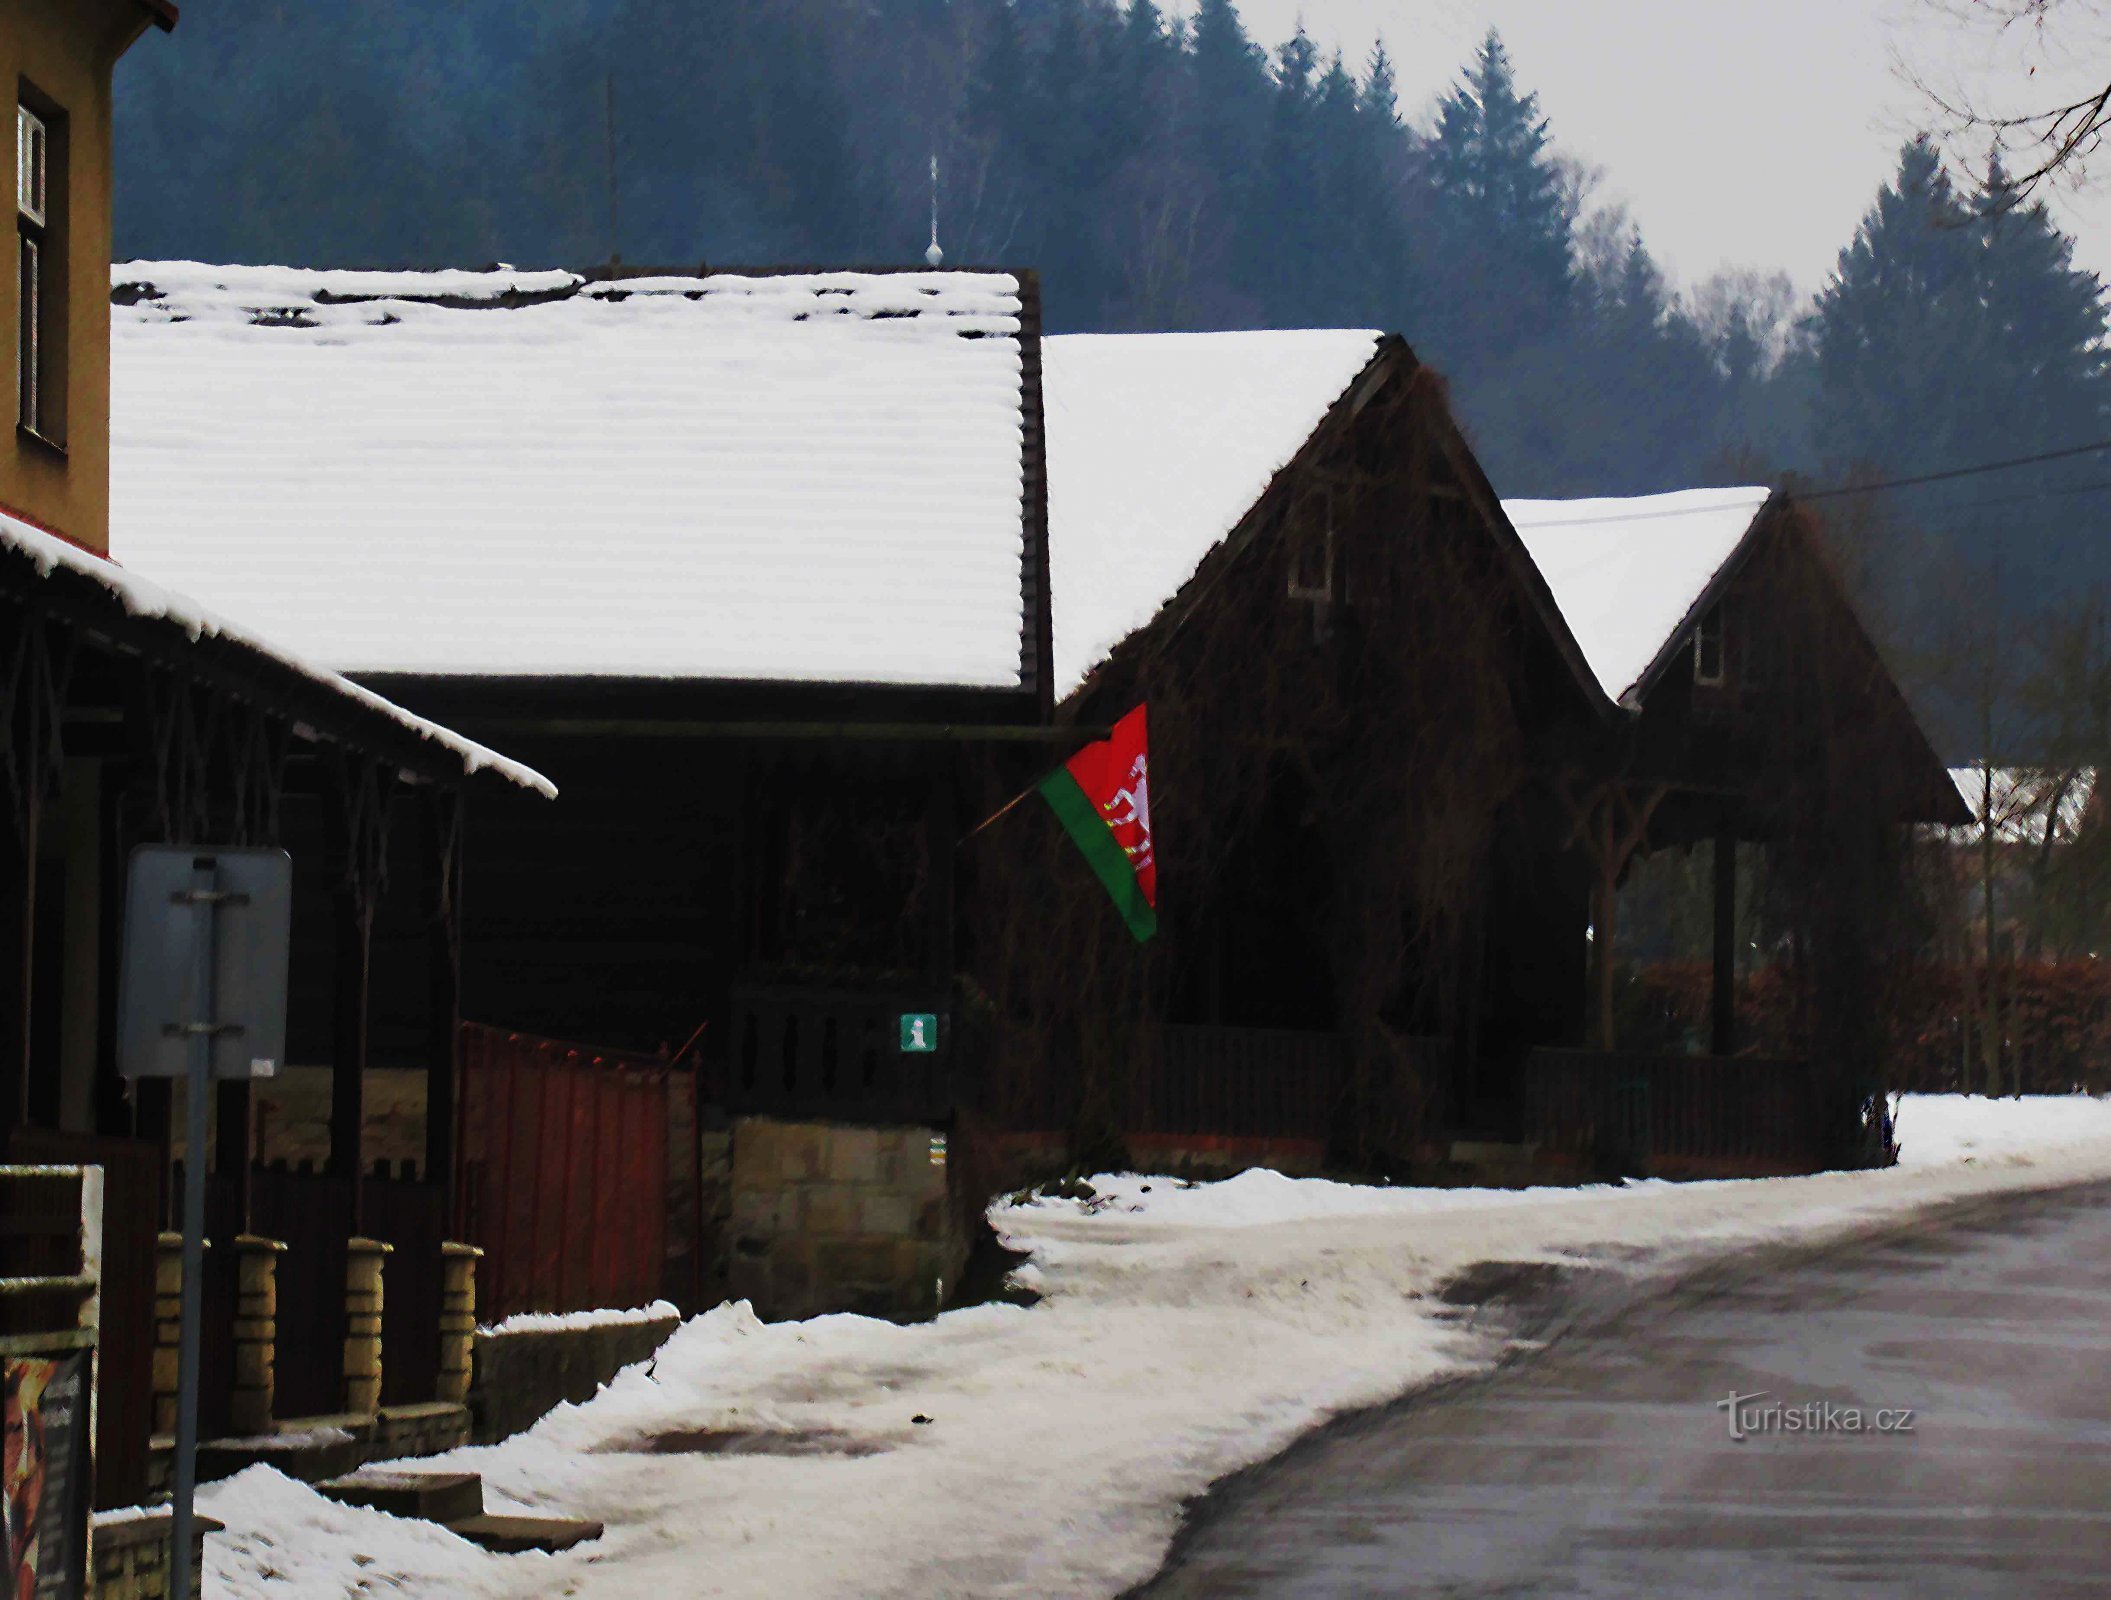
1102, 796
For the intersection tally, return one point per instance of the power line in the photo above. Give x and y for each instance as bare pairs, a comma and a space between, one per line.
1837, 491
1957, 472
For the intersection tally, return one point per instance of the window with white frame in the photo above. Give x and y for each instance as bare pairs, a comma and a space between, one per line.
37, 265
32, 171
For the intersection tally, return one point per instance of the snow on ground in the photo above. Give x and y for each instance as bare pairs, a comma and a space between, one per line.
1938, 1128
1004, 1451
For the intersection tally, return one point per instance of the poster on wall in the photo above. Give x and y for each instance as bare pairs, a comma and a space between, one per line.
44, 1476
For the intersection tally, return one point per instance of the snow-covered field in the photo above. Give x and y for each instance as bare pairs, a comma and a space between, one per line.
1186, 1332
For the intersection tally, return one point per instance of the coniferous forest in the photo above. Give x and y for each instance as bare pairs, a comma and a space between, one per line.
1169, 174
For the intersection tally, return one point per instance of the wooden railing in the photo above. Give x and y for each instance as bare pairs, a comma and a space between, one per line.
1254, 1083
1661, 1115
828, 1053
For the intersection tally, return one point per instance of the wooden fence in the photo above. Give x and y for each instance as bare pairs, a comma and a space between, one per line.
800, 1052
1673, 1116
564, 1178
1260, 1083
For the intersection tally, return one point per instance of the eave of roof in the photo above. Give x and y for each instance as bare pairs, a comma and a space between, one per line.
163, 12
122, 596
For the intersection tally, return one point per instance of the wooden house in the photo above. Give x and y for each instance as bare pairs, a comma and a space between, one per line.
1406, 742
753, 564
1756, 710
1357, 680
131, 714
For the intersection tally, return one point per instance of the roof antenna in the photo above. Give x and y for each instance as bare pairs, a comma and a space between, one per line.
615, 257
934, 255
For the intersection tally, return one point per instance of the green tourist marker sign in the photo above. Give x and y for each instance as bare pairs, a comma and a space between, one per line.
919, 1033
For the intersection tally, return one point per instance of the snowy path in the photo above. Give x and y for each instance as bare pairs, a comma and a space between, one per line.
1186, 1333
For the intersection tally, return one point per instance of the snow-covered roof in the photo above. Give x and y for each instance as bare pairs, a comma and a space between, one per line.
142, 597
2020, 802
1158, 444
1627, 573
807, 477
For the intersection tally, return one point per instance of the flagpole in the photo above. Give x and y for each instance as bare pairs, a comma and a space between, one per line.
994, 815
1088, 736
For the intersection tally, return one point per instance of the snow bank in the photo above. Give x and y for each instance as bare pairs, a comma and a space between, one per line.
1626, 572
1934, 1129
571, 1321
1260, 1196
1045, 1452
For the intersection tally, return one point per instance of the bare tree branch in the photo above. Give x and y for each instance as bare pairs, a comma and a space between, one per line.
2049, 137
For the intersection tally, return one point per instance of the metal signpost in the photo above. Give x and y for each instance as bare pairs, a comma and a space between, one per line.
202, 996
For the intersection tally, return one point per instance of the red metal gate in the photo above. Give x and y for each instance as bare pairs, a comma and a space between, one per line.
563, 1175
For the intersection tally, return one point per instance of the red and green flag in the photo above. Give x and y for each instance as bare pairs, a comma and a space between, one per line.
1102, 796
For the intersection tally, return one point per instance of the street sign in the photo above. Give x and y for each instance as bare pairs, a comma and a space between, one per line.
247, 933
201, 994
919, 1032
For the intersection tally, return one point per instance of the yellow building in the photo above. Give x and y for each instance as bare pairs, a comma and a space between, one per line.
55, 469
131, 716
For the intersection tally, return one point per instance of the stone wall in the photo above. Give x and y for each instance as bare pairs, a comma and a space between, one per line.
522, 1375
714, 1139
828, 1217
132, 1554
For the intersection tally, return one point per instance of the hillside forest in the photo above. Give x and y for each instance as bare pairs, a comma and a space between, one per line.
1168, 171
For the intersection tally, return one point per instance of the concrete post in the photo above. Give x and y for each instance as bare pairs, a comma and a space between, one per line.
256, 1334
362, 1368
457, 1320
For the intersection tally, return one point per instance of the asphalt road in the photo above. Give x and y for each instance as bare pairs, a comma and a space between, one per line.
1604, 1465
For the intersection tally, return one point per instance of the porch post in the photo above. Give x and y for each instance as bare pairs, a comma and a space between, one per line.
354, 952
1722, 1020
18, 902
441, 844
941, 828
1603, 915
362, 825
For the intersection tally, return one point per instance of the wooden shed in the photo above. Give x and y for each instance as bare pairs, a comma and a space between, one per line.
1406, 742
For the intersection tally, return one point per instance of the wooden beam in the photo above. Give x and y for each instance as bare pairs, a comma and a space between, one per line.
1722, 1010
441, 862
18, 902
868, 732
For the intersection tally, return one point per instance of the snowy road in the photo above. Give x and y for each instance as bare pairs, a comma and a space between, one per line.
1606, 1466
1045, 1454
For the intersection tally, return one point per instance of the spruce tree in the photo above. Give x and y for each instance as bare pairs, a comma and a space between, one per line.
1950, 336
1504, 204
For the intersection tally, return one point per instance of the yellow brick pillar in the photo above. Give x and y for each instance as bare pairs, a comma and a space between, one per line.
363, 1262
256, 1334
457, 1320
168, 1327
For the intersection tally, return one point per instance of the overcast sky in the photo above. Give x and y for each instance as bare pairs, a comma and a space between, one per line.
1738, 132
